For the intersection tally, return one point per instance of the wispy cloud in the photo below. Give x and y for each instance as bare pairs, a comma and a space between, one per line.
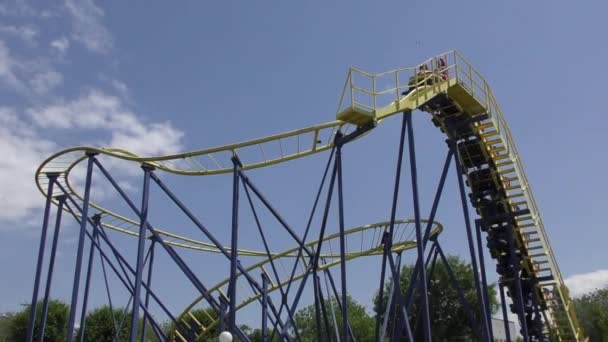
25, 140
26, 33
60, 45
87, 27
9, 69
22, 149
16, 8
98, 110
44, 117
27, 77
44, 82
580, 284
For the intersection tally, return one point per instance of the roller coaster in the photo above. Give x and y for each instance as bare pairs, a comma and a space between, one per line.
480, 147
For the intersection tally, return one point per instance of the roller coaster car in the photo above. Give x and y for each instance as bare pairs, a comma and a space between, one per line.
444, 106
472, 153
482, 181
494, 212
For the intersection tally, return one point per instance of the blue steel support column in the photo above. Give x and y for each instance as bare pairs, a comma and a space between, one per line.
389, 240
127, 283
315, 257
323, 310
461, 297
505, 317
45, 223
393, 308
234, 243
484, 281
400, 299
317, 307
178, 260
419, 244
141, 245
338, 300
79, 251
264, 306
49, 277
85, 300
149, 282
342, 245
223, 306
121, 260
467, 222
446, 167
284, 303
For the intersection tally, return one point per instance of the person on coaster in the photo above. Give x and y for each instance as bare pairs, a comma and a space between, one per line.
423, 77
442, 68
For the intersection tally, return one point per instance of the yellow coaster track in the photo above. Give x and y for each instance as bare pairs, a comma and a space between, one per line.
403, 242
370, 98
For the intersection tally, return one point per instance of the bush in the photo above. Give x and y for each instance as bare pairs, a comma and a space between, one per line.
56, 322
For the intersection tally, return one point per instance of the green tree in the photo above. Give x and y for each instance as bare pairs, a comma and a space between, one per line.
360, 322
56, 322
203, 317
592, 312
99, 325
448, 316
5, 324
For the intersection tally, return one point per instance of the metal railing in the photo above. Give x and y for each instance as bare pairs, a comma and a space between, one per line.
477, 86
370, 92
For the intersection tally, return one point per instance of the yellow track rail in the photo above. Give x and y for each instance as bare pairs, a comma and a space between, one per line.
402, 243
366, 98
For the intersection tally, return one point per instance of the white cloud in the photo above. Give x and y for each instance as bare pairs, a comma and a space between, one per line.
27, 77
8, 70
98, 110
26, 33
44, 82
22, 150
16, 8
61, 45
87, 25
580, 284
25, 142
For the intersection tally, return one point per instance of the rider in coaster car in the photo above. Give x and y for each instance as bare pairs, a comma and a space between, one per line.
423, 77
442, 69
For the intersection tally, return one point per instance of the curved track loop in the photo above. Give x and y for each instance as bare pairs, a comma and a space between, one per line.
253, 154
359, 244
470, 99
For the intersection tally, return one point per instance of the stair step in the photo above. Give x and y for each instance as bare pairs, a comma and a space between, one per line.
525, 218
541, 262
497, 149
500, 156
485, 125
505, 163
507, 171
488, 134
518, 203
513, 187
493, 142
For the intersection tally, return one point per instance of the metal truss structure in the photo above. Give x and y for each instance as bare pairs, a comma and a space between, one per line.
490, 178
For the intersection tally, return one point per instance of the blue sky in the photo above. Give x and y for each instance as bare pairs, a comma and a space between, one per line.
201, 74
